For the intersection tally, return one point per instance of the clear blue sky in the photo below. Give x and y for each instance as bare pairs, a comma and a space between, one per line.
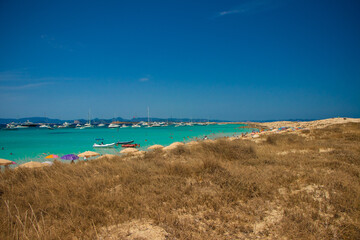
231, 60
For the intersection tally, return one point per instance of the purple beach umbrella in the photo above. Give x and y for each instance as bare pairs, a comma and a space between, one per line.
70, 157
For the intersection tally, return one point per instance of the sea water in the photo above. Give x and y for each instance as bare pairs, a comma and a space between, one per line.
34, 144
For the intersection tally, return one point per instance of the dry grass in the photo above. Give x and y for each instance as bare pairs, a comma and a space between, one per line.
215, 190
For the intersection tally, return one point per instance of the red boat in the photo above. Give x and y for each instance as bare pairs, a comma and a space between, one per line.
130, 145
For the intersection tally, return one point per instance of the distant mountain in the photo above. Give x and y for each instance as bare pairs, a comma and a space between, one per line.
31, 119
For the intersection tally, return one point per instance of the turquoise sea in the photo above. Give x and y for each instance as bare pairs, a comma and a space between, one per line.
33, 144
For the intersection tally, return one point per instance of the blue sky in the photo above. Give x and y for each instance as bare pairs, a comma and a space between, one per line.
231, 60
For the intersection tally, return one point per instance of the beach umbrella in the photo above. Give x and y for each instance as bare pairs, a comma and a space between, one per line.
4, 162
52, 156
33, 165
70, 157
88, 154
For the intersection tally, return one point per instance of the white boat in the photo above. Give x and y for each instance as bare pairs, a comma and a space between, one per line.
124, 126
155, 124
113, 125
10, 126
88, 124
20, 126
136, 126
29, 124
44, 126
109, 145
101, 125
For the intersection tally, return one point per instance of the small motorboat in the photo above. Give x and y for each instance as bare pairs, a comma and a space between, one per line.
101, 145
127, 142
130, 145
113, 125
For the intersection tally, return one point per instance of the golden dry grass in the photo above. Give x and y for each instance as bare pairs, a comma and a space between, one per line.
216, 190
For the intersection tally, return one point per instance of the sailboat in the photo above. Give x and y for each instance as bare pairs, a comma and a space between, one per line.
88, 124
149, 125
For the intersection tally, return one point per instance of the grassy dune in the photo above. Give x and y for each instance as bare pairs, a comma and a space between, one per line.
283, 186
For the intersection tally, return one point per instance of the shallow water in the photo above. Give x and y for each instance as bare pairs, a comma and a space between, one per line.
34, 144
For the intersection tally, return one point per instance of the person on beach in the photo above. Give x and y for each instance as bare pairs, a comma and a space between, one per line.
205, 138
72, 162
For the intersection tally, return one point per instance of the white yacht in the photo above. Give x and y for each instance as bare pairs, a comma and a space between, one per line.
20, 126
87, 125
179, 124
124, 126
136, 126
155, 124
113, 125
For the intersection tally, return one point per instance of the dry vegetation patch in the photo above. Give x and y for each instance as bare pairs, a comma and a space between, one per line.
210, 190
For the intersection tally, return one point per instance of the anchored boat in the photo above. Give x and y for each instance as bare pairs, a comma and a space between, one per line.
127, 142
109, 145
130, 145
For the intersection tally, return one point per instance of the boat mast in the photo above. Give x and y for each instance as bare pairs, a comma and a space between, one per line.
148, 117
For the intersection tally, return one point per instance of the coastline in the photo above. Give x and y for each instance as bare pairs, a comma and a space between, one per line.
266, 129
74, 141
273, 184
